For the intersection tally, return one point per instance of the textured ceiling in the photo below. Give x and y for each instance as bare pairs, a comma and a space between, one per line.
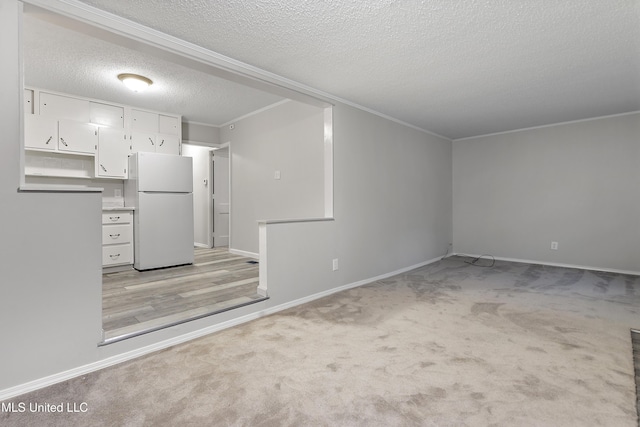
456, 68
64, 60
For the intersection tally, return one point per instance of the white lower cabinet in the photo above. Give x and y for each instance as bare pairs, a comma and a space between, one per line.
117, 238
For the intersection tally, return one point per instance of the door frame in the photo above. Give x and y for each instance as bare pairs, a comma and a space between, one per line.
226, 145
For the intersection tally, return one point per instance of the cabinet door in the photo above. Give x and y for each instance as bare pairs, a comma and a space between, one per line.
168, 144
28, 101
143, 142
107, 115
64, 107
77, 137
113, 152
144, 121
168, 125
40, 132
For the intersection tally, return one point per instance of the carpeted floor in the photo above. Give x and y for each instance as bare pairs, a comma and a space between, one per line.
449, 344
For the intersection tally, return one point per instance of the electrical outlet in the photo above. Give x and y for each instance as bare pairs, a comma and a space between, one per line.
554, 246
335, 264
117, 192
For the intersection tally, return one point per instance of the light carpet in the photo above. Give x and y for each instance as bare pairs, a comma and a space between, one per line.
449, 344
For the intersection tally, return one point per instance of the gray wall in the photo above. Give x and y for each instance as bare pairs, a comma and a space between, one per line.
289, 138
576, 183
392, 209
50, 256
392, 194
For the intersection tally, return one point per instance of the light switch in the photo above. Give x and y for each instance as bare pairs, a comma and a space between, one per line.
276, 175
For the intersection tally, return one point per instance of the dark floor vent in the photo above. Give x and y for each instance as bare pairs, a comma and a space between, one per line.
635, 343
252, 262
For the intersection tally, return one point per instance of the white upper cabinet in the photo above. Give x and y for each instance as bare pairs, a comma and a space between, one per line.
64, 107
77, 137
168, 124
40, 132
152, 132
143, 142
106, 115
144, 121
113, 152
28, 102
76, 128
167, 144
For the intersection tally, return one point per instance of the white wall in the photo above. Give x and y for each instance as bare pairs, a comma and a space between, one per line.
392, 208
198, 132
288, 138
575, 183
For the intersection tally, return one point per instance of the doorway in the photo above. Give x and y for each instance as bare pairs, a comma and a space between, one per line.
211, 195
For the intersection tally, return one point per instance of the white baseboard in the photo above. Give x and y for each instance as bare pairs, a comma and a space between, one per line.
262, 291
114, 360
244, 253
555, 264
201, 245
328, 292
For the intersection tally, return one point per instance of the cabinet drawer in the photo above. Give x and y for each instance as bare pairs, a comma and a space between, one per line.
117, 254
112, 234
116, 217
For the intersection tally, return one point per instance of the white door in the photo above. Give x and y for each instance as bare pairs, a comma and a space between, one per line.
202, 189
221, 202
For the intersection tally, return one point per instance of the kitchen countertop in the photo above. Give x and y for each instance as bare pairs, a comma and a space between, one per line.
118, 208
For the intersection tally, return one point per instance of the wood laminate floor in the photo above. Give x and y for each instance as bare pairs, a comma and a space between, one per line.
136, 302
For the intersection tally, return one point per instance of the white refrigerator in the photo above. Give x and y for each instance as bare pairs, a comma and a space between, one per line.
160, 189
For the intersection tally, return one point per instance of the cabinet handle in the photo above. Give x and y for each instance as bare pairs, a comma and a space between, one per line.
114, 236
151, 141
48, 140
114, 256
114, 218
63, 142
162, 143
103, 168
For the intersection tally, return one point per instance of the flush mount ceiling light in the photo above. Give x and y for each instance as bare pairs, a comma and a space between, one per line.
135, 82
